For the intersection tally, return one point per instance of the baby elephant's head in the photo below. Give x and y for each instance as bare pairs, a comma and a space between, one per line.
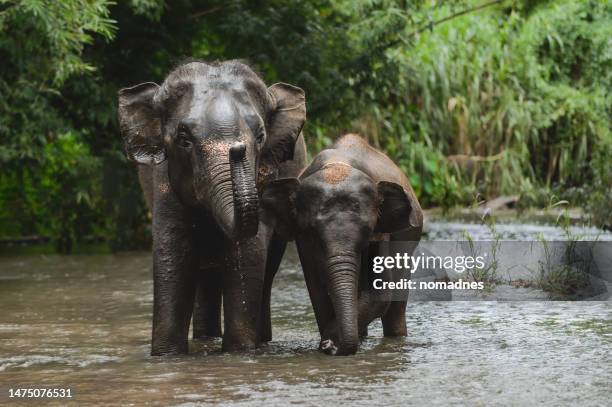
332, 213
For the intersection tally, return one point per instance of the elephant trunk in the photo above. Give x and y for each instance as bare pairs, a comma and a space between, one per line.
246, 220
235, 202
342, 280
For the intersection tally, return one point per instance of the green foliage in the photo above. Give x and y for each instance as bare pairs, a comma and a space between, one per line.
58, 199
567, 278
501, 100
71, 201
472, 98
152, 9
44, 39
49, 178
41, 43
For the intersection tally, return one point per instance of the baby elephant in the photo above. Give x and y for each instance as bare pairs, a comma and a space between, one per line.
349, 195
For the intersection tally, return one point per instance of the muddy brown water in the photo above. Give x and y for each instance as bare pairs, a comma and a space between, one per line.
83, 322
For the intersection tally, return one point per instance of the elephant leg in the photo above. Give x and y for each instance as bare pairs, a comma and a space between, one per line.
174, 265
276, 250
394, 320
173, 304
207, 307
321, 303
242, 293
393, 316
370, 305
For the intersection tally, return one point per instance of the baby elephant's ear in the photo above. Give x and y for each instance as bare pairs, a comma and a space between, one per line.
140, 125
400, 210
278, 205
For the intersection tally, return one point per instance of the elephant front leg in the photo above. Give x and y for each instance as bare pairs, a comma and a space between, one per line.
174, 265
321, 303
173, 283
207, 308
242, 293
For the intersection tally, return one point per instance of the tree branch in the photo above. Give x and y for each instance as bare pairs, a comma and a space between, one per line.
450, 17
432, 24
204, 12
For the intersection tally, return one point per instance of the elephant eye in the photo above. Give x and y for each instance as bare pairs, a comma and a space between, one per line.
261, 135
183, 138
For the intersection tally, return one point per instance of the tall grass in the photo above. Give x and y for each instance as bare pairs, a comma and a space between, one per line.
505, 101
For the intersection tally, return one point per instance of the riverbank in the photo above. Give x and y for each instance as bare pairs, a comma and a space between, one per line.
454, 219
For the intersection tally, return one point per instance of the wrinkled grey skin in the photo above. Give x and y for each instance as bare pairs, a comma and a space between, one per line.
349, 195
207, 140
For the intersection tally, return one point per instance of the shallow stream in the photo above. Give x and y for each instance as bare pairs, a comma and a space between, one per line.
83, 322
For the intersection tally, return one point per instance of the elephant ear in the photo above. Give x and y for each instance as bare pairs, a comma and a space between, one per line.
140, 125
399, 209
285, 122
278, 205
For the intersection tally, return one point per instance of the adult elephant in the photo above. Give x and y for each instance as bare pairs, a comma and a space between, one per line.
208, 138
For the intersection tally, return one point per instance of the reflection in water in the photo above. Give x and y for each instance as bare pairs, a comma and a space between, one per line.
84, 322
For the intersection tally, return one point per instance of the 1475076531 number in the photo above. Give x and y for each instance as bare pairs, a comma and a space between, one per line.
40, 393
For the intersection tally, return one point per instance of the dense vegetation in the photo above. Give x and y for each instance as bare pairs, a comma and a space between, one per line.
472, 98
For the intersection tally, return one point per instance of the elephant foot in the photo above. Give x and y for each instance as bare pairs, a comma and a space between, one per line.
206, 338
237, 346
169, 344
205, 332
328, 347
169, 350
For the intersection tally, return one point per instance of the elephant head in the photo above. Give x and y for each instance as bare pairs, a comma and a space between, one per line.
335, 211
214, 124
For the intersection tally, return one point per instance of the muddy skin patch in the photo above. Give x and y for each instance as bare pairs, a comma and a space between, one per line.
220, 148
351, 141
265, 174
214, 148
164, 188
335, 173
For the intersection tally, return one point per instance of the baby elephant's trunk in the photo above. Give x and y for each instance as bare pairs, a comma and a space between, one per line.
342, 280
